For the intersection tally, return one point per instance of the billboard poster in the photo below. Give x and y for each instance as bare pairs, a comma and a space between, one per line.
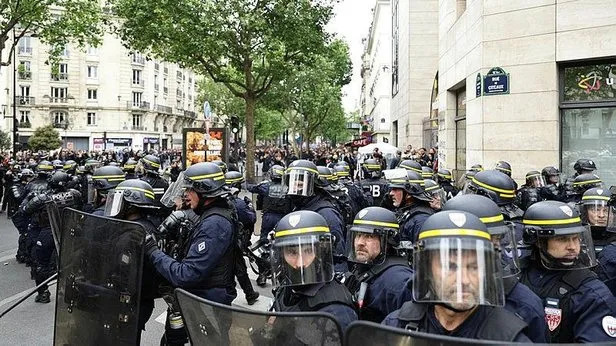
197, 148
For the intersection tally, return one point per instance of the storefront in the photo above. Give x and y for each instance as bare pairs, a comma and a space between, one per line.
588, 122
151, 143
112, 143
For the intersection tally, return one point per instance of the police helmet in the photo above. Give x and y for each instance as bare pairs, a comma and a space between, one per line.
438, 194
595, 209
534, 179
205, 178
412, 184
234, 179
502, 232
58, 180
493, 184
325, 177
302, 250
57, 164
44, 166
334, 176
553, 220
91, 165
129, 166
300, 178
372, 168
276, 172
150, 163
221, 165
411, 165
370, 224
132, 192
70, 166
342, 172
26, 174
586, 181
450, 241
551, 175
107, 177
444, 175
503, 166
427, 172
584, 166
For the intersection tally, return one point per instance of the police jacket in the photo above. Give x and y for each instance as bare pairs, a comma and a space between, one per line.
578, 306
331, 297
377, 189
411, 218
523, 302
206, 269
606, 270
485, 323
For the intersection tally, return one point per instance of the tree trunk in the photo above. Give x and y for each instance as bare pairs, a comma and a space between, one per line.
250, 138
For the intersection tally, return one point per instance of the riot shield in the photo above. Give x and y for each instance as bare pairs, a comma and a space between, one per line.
210, 323
373, 334
99, 280
55, 221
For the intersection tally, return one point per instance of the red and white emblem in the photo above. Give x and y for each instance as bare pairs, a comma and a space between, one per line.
609, 325
553, 317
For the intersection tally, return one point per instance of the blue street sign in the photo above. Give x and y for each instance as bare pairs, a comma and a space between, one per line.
496, 82
207, 111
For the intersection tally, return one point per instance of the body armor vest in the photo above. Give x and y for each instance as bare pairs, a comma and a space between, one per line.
285, 300
276, 201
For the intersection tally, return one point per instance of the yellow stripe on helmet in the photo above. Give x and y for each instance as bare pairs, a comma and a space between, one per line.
214, 176
145, 192
503, 192
301, 231
453, 232
411, 168
446, 176
551, 222
235, 180
154, 164
96, 177
490, 219
375, 223
303, 169
591, 198
588, 182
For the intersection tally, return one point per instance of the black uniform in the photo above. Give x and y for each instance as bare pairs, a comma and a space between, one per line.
376, 189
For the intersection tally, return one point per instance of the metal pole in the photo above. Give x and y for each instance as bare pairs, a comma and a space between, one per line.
53, 277
15, 136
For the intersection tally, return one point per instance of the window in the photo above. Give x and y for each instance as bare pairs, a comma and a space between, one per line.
92, 51
24, 90
64, 52
136, 121
59, 72
461, 130
91, 118
92, 71
24, 117
137, 98
24, 71
394, 126
59, 117
137, 77
92, 94
395, 44
137, 58
156, 86
165, 86
58, 95
25, 46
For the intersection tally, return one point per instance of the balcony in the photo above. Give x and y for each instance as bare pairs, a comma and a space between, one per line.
24, 50
60, 100
24, 125
138, 105
138, 83
190, 114
24, 75
138, 128
164, 109
24, 100
59, 77
60, 124
138, 60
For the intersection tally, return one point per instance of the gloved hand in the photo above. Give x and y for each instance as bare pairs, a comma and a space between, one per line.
150, 245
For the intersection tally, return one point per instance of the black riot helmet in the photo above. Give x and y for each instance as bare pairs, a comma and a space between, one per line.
556, 221
502, 232
370, 224
302, 250
438, 194
300, 178
413, 184
129, 166
325, 177
449, 242
205, 178
493, 184
586, 181
70, 166
221, 165
276, 172
582, 166
534, 179
44, 167
58, 180
91, 165
372, 168
503, 166
444, 175
343, 172
427, 172
411, 165
57, 164
234, 179
130, 193
595, 209
26, 175
107, 177
551, 175
150, 163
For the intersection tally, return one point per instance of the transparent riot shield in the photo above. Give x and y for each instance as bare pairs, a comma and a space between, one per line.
373, 334
55, 221
210, 323
99, 280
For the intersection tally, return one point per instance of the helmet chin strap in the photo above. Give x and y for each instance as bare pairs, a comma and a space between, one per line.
550, 261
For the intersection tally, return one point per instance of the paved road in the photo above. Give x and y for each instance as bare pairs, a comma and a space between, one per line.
32, 323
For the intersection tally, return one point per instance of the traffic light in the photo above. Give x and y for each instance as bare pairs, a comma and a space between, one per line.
235, 124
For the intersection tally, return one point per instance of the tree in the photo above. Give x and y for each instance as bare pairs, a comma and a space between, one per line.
247, 45
5, 140
45, 138
54, 22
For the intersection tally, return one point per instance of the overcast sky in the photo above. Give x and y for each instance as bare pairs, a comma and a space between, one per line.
352, 21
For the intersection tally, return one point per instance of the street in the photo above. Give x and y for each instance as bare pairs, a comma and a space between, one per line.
32, 323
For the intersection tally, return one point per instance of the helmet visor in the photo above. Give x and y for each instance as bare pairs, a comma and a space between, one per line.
299, 182
438, 198
536, 180
302, 260
174, 193
115, 203
567, 248
366, 245
458, 272
596, 213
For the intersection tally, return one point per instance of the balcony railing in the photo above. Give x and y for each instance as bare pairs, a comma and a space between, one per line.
163, 109
138, 128
24, 100
138, 105
59, 77
60, 124
25, 75
58, 99
190, 114
24, 50
24, 125
138, 60
138, 82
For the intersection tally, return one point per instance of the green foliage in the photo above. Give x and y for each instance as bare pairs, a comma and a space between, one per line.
222, 101
5, 140
79, 21
45, 138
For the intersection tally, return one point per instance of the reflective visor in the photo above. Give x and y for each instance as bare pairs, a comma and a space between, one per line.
302, 260
300, 182
114, 204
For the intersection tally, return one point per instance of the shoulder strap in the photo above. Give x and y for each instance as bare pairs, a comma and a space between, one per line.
411, 314
376, 270
500, 325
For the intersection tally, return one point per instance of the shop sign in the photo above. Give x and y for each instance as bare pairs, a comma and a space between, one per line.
496, 82
478, 85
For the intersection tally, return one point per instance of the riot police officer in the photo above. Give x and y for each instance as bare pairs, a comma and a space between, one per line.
411, 165
437, 194
327, 181
580, 184
412, 204
529, 193
596, 212
578, 306
300, 181
275, 205
498, 187
303, 268
552, 191
380, 277
129, 168
581, 166
504, 167
248, 217
20, 220
373, 184
519, 299
445, 180
357, 198
151, 167
457, 287
103, 180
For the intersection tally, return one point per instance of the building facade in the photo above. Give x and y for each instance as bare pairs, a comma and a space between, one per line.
376, 74
100, 98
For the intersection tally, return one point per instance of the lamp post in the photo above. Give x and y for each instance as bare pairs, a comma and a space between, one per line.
15, 134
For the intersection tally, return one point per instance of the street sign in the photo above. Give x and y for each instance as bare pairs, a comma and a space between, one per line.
207, 111
478, 85
496, 82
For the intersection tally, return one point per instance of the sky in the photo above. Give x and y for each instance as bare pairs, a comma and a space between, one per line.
351, 23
